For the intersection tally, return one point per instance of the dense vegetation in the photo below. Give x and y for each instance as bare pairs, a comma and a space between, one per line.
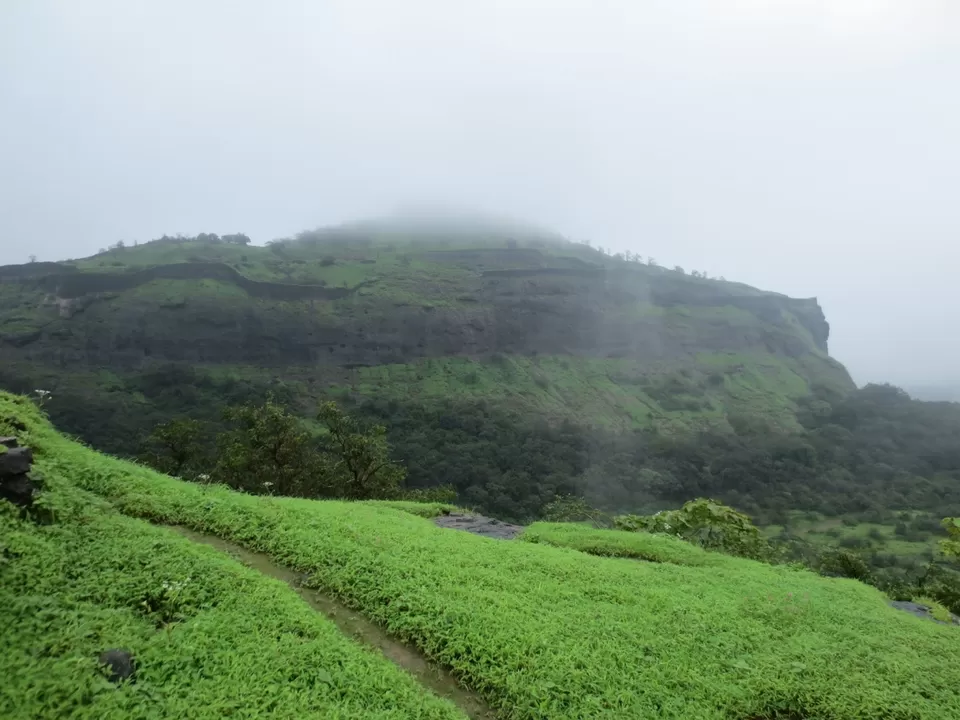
873, 453
266, 450
506, 362
540, 631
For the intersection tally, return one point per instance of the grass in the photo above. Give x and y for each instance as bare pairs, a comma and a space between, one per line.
212, 638
615, 393
937, 610
620, 544
548, 632
427, 510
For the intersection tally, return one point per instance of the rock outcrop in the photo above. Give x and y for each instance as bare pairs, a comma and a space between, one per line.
119, 665
16, 485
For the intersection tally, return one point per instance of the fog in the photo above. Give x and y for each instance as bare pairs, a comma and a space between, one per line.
804, 146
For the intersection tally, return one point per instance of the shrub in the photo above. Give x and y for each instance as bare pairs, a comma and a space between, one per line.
842, 563
572, 508
707, 523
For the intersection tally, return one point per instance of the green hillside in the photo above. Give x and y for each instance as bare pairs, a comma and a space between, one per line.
536, 630
526, 321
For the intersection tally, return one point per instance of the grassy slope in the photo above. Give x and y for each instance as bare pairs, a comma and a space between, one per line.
230, 642
621, 544
603, 391
547, 632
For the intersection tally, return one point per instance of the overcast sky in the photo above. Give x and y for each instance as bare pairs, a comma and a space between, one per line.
810, 147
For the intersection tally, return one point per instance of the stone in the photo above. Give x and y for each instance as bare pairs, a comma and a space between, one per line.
18, 489
921, 611
120, 663
15, 461
479, 525
9, 442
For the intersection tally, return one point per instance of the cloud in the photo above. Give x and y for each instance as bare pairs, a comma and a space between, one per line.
803, 146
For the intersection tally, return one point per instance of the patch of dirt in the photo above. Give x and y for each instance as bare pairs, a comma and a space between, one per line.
479, 525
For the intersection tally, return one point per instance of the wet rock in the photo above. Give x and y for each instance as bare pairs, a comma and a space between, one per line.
921, 611
120, 664
9, 442
15, 461
18, 489
15, 484
479, 525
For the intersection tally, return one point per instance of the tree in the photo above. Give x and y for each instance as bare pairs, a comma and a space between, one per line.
33, 258
267, 451
360, 460
236, 239
175, 446
573, 508
951, 546
677, 268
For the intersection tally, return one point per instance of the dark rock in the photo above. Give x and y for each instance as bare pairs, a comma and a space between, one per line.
120, 663
15, 461
921, 611
479, 525
9, 442
18, 489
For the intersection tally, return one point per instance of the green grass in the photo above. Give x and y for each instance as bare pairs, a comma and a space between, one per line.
937, 610
621, 544
547, 632
616, 393
212, 638
427, 510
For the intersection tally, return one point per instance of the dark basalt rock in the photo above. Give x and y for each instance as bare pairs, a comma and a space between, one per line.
18, 489
15, 461
120, 664
479, 525
16, 485
921, 611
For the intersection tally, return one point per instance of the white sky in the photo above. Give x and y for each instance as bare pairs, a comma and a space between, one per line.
806, 146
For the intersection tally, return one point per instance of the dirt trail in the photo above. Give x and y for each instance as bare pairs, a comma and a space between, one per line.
428, 674
479, 525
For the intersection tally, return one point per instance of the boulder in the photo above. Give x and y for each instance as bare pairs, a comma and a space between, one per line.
9, 442
120, 664
15, 485
15, 461
18, 489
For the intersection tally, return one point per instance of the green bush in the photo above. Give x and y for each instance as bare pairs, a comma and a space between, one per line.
707, 523
841, 563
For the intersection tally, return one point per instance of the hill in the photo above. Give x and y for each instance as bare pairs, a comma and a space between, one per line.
534, 629
407, 311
